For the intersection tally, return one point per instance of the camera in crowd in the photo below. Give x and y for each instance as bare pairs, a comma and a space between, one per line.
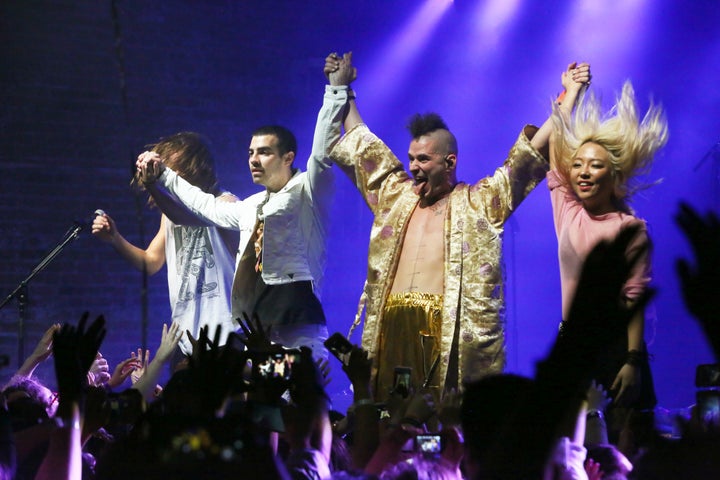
429, 444
339, 346
277, 364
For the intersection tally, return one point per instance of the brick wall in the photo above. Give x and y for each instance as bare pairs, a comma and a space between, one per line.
84, 85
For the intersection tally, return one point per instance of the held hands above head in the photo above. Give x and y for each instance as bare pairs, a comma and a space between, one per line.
575, 77
339, 71
700, 282
149, 167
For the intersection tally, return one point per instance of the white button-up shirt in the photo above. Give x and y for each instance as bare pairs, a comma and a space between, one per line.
296, 217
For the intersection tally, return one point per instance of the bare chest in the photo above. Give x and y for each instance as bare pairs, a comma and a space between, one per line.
422, 258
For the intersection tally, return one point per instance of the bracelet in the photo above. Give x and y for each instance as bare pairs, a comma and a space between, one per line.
636, 358
595, 413
561, 97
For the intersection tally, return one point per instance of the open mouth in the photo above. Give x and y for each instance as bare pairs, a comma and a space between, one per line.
584, 186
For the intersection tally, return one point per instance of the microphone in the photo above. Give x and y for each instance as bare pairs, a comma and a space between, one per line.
82, 225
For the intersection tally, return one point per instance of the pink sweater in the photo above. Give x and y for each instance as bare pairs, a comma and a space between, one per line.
578, 232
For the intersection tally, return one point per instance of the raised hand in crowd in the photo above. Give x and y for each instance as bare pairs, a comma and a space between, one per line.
597, 317
42, 351
700, 280
99, 372
123, 370
363, 415
142, 360
596, 428
597, 314
74, 349
146, 384
323, 366
218, 370
448, 410
254, 336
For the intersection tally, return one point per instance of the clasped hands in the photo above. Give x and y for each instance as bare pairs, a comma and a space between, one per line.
149, 167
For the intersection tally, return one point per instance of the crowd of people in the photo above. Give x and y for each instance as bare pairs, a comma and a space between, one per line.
247, 395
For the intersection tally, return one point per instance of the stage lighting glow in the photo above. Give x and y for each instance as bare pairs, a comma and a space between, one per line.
588, 28
492, 19
403, 49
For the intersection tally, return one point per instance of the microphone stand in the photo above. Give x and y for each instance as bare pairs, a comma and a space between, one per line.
21, 291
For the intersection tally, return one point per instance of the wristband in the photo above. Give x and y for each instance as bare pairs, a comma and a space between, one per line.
636, 358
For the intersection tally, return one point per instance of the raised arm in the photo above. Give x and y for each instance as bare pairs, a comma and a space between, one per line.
164, 184
42, 351
336, 69
168, 343
573, 79
327, 134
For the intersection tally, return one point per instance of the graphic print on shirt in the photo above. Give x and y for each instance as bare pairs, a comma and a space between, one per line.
196, 270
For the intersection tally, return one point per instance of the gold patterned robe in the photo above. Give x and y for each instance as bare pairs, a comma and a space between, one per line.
473, 291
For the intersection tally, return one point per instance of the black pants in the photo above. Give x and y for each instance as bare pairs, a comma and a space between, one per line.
291, 303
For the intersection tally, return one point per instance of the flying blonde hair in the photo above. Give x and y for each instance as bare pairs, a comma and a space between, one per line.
631, 144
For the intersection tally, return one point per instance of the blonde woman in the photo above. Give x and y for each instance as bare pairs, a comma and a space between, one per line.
594, 162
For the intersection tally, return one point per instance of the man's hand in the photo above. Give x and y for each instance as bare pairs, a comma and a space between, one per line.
149, 167
339, 71
104, 228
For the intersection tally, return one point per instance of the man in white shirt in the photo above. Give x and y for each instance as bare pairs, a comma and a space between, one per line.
281, 255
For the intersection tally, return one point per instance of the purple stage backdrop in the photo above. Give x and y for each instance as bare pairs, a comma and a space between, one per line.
85, 85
